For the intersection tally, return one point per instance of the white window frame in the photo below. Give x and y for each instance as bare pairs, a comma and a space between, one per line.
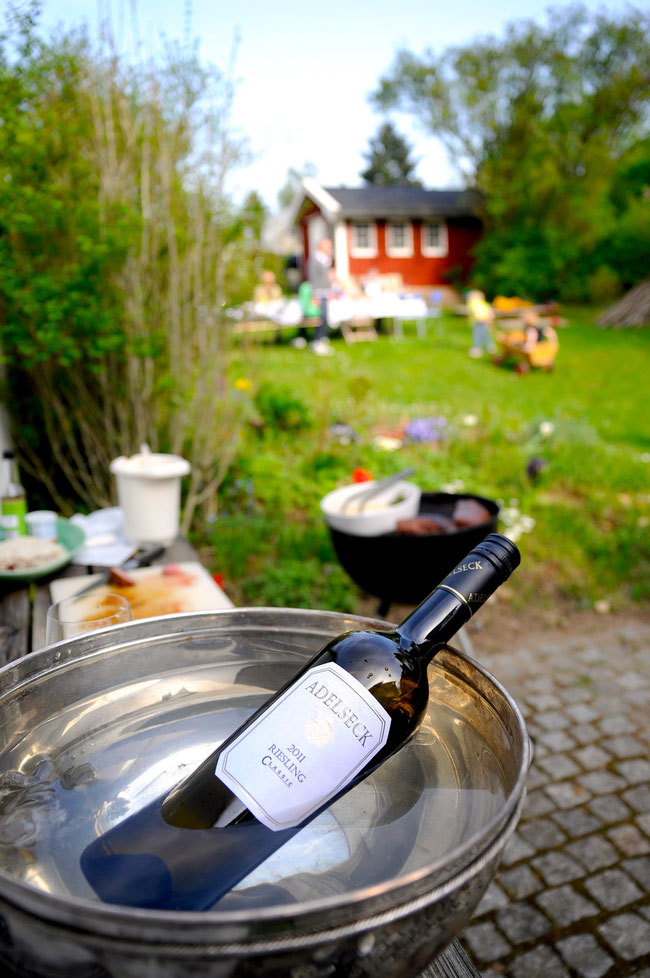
361, 252
441, 250
403, 251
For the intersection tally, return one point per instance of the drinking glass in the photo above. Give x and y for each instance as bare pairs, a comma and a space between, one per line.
84, 613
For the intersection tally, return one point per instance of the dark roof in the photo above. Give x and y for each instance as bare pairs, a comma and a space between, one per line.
364, 202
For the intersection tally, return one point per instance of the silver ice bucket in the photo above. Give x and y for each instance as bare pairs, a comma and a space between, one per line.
96, 726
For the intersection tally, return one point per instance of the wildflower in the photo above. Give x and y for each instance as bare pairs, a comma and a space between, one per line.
469, 420
453, 487
515, 522
645, 456
344, 434
387, 444
546, 429
361, 475
243, 384
426, 429
218, 579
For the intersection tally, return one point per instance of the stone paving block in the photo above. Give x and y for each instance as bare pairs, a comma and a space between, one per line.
644, 822
613, 889
493, 899
544, 701
516, 849
627, 934
590, 656
582, 713
557, 867
583, 953
594, 852
558, 766
537, 804
556, 740
585, 733
537, 777
539, 683
611, 704
485, 942
616, 724
629, 840
567, 794
624, 746
637, 697
629, 680
602, 782
552, 720
521, 922
639, 798
635, 771
542, 833
520, 882
609, 808
565, 905
591, 757
639, 868
577, 822
541, 962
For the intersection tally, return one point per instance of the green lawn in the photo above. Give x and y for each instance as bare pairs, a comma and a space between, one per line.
588, 420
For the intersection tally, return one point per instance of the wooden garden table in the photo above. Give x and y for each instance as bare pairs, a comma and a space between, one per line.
22, 630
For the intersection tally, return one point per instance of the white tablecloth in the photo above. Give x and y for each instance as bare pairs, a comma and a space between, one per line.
287, 312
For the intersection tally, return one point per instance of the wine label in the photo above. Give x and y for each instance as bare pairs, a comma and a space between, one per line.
305, 748
15, 509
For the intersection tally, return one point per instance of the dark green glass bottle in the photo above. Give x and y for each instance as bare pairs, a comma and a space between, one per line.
353, 705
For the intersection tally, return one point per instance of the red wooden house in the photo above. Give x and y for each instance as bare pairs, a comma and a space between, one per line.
407, 231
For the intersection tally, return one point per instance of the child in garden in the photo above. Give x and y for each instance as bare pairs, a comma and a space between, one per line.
481, 317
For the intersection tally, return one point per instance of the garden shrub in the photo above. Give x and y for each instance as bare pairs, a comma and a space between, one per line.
114, 251
604, 285
281, 408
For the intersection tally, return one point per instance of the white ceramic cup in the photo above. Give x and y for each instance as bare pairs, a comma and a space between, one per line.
41, 523
149, 494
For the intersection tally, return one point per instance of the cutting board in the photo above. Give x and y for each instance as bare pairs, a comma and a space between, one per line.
154, 592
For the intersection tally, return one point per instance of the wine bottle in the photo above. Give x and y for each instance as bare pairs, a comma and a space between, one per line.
13, 504
346, 711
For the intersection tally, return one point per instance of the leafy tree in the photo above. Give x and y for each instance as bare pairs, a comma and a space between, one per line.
537, 121
389, 160
115, 236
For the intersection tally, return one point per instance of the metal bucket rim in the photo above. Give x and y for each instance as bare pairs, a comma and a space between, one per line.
56, 907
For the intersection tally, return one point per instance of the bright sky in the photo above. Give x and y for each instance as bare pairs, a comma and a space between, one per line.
305, 70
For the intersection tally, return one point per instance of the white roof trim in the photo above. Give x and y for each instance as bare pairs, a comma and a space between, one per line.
321, 197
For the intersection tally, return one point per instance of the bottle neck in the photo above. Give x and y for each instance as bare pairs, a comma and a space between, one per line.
459, 595
434, 622
12, 482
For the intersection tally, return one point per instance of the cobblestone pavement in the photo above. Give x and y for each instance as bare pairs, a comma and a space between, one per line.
572, 895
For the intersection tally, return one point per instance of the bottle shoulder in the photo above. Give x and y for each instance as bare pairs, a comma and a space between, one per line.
374, 656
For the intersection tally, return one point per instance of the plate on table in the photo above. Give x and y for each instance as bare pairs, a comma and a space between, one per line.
70, 537
159, 590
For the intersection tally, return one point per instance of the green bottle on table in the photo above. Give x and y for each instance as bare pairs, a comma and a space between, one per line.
14, 500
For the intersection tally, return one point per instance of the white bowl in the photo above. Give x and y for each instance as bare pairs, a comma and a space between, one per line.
380, 515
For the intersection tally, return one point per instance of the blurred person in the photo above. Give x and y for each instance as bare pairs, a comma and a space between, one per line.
536, 332
267, 290
481, 318
320, 273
